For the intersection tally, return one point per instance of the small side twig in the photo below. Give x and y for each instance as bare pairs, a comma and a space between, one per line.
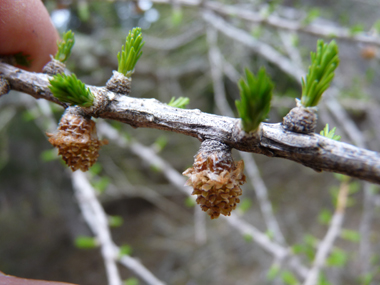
140, 270
97, 220
293, 52
200, 226
265, 50
281, 23
365, 251
262, 196
175, 42
333, 232
216, 73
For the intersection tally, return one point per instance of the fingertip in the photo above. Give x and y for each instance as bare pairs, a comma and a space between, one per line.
26, 27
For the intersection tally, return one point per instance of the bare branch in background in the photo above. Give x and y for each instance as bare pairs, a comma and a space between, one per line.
216, 73
263, 49
184, 38
140, 270
281, 23
292, 51
262, 197
200, 230
365, 229
97, 220
333, 232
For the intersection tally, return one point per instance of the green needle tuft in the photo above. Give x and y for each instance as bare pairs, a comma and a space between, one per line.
65, 46
180, 102
70, 89
321, 73
330, 134
22, 59
131, 52
255, 94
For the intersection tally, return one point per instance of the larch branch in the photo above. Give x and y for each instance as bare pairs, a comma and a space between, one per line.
312, 150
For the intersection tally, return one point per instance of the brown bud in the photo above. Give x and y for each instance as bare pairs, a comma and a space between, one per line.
54, 67
76, 139
216, 179
119, 83
301, 119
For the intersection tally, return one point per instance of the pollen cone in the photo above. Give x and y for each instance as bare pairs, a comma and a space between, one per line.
76, 140
216, 179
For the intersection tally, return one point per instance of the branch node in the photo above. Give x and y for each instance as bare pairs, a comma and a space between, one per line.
301, 119
100, 103
54, 67
119, 83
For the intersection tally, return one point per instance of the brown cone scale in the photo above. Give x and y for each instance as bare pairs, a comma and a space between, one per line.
216, 179
76, 140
